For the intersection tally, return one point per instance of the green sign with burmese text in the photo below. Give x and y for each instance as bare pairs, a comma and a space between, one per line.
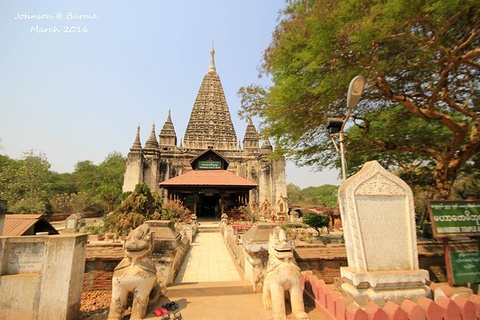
210, 165
465, 267
455, 218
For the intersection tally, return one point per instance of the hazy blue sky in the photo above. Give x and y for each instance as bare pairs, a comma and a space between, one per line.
79, 96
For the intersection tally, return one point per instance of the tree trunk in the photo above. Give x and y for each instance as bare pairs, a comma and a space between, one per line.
445, 175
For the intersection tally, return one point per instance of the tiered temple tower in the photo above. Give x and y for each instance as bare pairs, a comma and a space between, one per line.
210, 127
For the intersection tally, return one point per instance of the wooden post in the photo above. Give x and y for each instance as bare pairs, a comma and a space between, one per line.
448, 263
195, 200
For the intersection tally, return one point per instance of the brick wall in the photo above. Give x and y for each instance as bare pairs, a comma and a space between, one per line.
325, 261
447, 303
102, 258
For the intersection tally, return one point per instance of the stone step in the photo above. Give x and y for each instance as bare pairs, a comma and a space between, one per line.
208, 228
201, 289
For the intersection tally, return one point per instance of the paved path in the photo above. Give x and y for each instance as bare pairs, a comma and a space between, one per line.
208, 260
228, 307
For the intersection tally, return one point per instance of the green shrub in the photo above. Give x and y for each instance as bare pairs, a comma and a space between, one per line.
94, 229
316, 220
138, 206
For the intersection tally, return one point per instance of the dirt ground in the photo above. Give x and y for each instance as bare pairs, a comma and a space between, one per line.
95, 304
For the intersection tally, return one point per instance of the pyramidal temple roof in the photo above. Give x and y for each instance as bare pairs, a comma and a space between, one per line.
210, 122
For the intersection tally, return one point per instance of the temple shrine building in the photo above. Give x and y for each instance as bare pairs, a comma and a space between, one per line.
211, 172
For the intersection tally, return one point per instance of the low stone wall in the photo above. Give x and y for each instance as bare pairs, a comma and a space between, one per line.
64, 216
170, 249
325, 261
447, 303
250, 250
232, 241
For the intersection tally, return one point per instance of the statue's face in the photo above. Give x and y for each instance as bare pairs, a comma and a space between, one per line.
279, 245
138, 242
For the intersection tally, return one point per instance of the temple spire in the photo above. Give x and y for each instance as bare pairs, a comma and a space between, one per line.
168, 137
251, 138
152, 140
137, 144
210, 122
266, 146
211, 68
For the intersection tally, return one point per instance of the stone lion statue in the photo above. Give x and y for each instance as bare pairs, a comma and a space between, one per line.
135, 274
283, 275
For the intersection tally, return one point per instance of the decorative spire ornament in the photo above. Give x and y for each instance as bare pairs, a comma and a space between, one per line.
137, 144
211, 68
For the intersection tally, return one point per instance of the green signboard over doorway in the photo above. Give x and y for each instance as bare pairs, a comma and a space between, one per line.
455, 218
209, 165
465, 267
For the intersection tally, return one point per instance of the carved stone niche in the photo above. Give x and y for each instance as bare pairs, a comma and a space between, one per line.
378, 219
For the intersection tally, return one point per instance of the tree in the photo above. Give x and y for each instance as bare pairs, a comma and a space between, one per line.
102, 182
467, 185
324, 196
295, 196
421, 61
63, 183
25, 183
70, 203
111, 172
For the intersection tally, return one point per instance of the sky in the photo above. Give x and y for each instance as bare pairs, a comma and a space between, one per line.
78, 76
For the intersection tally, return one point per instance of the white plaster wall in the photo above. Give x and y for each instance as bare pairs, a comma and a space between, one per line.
133, 173
54, 290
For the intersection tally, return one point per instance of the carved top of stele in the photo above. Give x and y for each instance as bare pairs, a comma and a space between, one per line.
373, 179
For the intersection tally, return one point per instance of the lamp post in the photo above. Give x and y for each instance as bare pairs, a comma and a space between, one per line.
355, 91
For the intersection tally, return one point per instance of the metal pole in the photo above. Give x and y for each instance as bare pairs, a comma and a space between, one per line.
342, 155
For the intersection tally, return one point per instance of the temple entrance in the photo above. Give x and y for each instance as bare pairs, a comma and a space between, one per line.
208, 203
209, 189
209, 206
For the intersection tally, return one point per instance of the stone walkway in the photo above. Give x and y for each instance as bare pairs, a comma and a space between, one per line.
208, 260
230, 307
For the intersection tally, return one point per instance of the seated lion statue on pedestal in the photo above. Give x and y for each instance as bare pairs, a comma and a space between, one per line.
135, 274
283, 275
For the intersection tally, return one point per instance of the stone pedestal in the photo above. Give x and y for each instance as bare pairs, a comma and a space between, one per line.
168, 249
381, 287
189, 231
380, 237
255, 243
